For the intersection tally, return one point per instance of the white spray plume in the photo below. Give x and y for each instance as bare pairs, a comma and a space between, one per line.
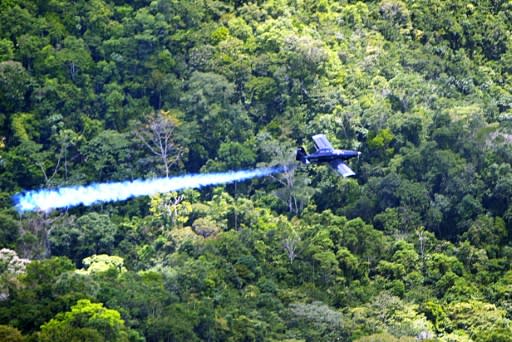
45, 200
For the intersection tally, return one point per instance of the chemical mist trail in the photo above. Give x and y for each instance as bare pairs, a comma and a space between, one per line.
45, 200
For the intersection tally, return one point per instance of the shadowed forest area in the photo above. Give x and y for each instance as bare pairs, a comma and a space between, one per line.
416, 246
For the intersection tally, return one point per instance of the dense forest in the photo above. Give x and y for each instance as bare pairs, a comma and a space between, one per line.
417, 246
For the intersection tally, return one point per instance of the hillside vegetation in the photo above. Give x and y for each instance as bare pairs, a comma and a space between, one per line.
416, 246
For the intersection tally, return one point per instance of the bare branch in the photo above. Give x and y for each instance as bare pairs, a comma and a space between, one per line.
157, 134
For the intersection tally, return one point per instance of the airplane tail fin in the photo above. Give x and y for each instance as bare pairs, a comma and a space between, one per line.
301, 155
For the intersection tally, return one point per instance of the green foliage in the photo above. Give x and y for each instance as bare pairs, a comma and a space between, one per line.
90, 234
86, 321
34, 300
14, 85
9, 229
481, 317
103, 263
6, 50
381, 142
318, 321
10, 334
106, 152
415, 246
384, 337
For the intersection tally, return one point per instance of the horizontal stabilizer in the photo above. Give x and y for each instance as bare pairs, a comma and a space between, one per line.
342, 168
302, 155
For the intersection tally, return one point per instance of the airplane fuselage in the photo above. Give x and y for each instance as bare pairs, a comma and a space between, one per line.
325, 153
328, 155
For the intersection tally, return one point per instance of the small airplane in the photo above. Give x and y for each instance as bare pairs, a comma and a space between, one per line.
325, 153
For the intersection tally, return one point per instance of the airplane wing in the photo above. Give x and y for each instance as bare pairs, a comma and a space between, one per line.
321, 142
339, 166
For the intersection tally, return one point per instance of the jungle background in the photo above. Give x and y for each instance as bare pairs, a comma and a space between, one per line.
416, 246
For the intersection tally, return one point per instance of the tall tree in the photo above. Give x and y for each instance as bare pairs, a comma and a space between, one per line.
157, 133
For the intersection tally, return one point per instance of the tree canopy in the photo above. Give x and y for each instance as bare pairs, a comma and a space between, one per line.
416, 247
